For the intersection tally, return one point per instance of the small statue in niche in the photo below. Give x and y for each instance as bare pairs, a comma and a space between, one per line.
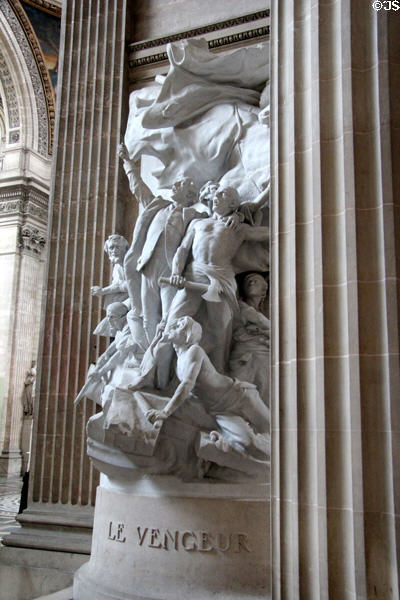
116, 246
29, 390
249, 359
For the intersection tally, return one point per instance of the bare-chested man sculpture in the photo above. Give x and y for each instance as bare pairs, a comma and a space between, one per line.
241, 415
213, 245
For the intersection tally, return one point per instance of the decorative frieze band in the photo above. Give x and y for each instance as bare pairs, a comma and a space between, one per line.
135, 47
24, 201
11, 207
151, 52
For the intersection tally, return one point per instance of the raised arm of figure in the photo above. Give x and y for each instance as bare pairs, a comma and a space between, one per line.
136, 183
249, 208
120, 286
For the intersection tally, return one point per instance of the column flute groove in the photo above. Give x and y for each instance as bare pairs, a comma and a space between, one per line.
334, 399
85, 198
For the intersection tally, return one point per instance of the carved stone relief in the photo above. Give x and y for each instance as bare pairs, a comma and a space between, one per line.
10, 94
41, 84
32, 240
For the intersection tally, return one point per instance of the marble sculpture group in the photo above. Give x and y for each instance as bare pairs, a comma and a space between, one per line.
183, 384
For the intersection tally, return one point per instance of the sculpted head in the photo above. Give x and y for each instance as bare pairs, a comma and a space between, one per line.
207, 192
184, 192
254, 286
225, 201
116, 247
184, 331
116, 315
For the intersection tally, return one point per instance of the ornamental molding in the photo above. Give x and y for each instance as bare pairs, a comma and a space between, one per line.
11, 207
263, 14
32, 240
140, 53
24, 201
50, 7
32, 53
10, 93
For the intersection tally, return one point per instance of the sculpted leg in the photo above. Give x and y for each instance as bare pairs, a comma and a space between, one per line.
151, 305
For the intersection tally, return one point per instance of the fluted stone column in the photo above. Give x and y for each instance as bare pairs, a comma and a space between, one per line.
335, 300
88, 198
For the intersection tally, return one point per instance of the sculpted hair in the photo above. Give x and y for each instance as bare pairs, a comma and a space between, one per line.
115, 237
250, 276
117, 309
234, 195
193, 329
204, 190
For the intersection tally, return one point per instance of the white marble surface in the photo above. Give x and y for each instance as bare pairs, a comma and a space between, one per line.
177, 405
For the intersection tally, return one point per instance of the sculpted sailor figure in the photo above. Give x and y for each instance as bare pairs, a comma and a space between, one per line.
208, 289
102, 377
213, 247
158, 232
249, 359
242, 417
116, 247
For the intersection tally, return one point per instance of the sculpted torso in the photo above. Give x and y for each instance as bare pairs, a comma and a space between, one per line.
213, 243
193, 365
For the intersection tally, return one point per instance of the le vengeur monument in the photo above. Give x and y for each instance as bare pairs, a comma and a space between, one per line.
182, 439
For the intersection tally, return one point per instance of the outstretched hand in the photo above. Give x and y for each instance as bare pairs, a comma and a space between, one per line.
233, 222
96, 290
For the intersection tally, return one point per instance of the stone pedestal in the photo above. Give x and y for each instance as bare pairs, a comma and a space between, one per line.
175, 547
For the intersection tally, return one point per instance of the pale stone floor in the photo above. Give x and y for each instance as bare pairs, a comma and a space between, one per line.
10, 493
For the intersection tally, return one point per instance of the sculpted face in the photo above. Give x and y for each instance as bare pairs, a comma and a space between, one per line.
116, 318
184, 192
115, 251
176, 331
255, 286
207, 192
223, 202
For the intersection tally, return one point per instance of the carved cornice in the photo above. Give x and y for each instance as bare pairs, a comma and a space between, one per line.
24, 201
261, 32
184, 35
233, 37
30, 47
32, 240
49, 7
